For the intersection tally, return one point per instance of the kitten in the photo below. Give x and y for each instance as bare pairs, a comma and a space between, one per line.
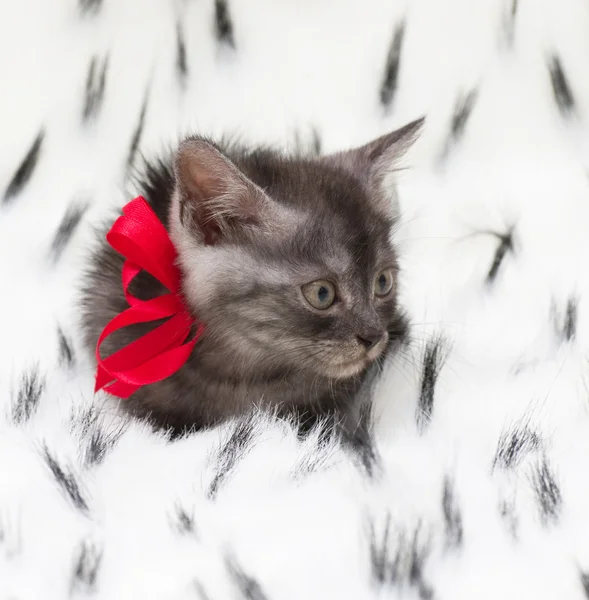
288, 261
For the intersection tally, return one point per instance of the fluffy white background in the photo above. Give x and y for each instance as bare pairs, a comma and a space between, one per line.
483, 492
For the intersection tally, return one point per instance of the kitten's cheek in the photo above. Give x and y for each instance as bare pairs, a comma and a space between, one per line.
348, 369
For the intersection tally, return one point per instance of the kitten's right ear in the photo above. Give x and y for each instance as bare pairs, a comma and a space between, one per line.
213, 198
374, 161
381, 153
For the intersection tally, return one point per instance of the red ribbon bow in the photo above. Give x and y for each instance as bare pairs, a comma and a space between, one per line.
142, 239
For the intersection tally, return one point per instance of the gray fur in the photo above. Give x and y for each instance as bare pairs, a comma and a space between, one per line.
251, 227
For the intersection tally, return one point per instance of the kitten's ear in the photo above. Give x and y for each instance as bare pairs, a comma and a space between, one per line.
374, 161
213, 198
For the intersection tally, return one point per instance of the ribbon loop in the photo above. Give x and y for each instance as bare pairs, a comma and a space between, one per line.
144, 242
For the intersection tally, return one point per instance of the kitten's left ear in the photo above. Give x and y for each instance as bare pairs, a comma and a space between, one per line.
374, 161
213, 200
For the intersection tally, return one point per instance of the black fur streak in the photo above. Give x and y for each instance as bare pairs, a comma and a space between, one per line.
223, 24
513, 445
509, 21
379, 554
84, 419
563, 95
324, 425
403, 566
231, 452
584, 577
181, 62
200, 591
66, 352
70, 221
247, 585
507, 512
361, 443
388, 87
565, 322
569, 327
95, 86
462, 111
97, 442
182, 521
90, 6
505, 246
432, 363
514, 4
313, 460
25, 170
66, 481
86, 567
136, 138
100, 443
547, 492
316, 144
452, 516
28, 396
97, 447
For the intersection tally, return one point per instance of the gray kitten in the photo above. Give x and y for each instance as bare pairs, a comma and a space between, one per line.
287, 260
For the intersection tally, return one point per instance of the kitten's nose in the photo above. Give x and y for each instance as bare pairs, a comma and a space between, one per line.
369, 339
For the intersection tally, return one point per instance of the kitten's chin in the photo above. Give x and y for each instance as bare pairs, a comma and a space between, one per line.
347, 370
352, 368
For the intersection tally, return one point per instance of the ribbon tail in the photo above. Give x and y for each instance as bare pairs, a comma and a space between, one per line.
151, 358
103, 377
159, 367
153, 371
121, 390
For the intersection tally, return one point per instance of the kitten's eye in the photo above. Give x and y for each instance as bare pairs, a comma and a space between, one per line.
319, 294
383, 283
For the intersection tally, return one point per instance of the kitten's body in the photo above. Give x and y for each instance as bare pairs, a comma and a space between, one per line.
273, 224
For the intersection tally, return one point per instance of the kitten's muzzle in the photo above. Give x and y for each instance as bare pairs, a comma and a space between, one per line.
369, 339
366, 351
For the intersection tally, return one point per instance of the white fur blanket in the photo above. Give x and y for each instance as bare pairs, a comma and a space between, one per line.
475, 480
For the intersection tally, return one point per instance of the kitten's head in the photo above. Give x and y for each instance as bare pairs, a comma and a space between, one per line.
289, 261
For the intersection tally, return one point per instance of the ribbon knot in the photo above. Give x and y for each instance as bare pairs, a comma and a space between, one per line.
144, 242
